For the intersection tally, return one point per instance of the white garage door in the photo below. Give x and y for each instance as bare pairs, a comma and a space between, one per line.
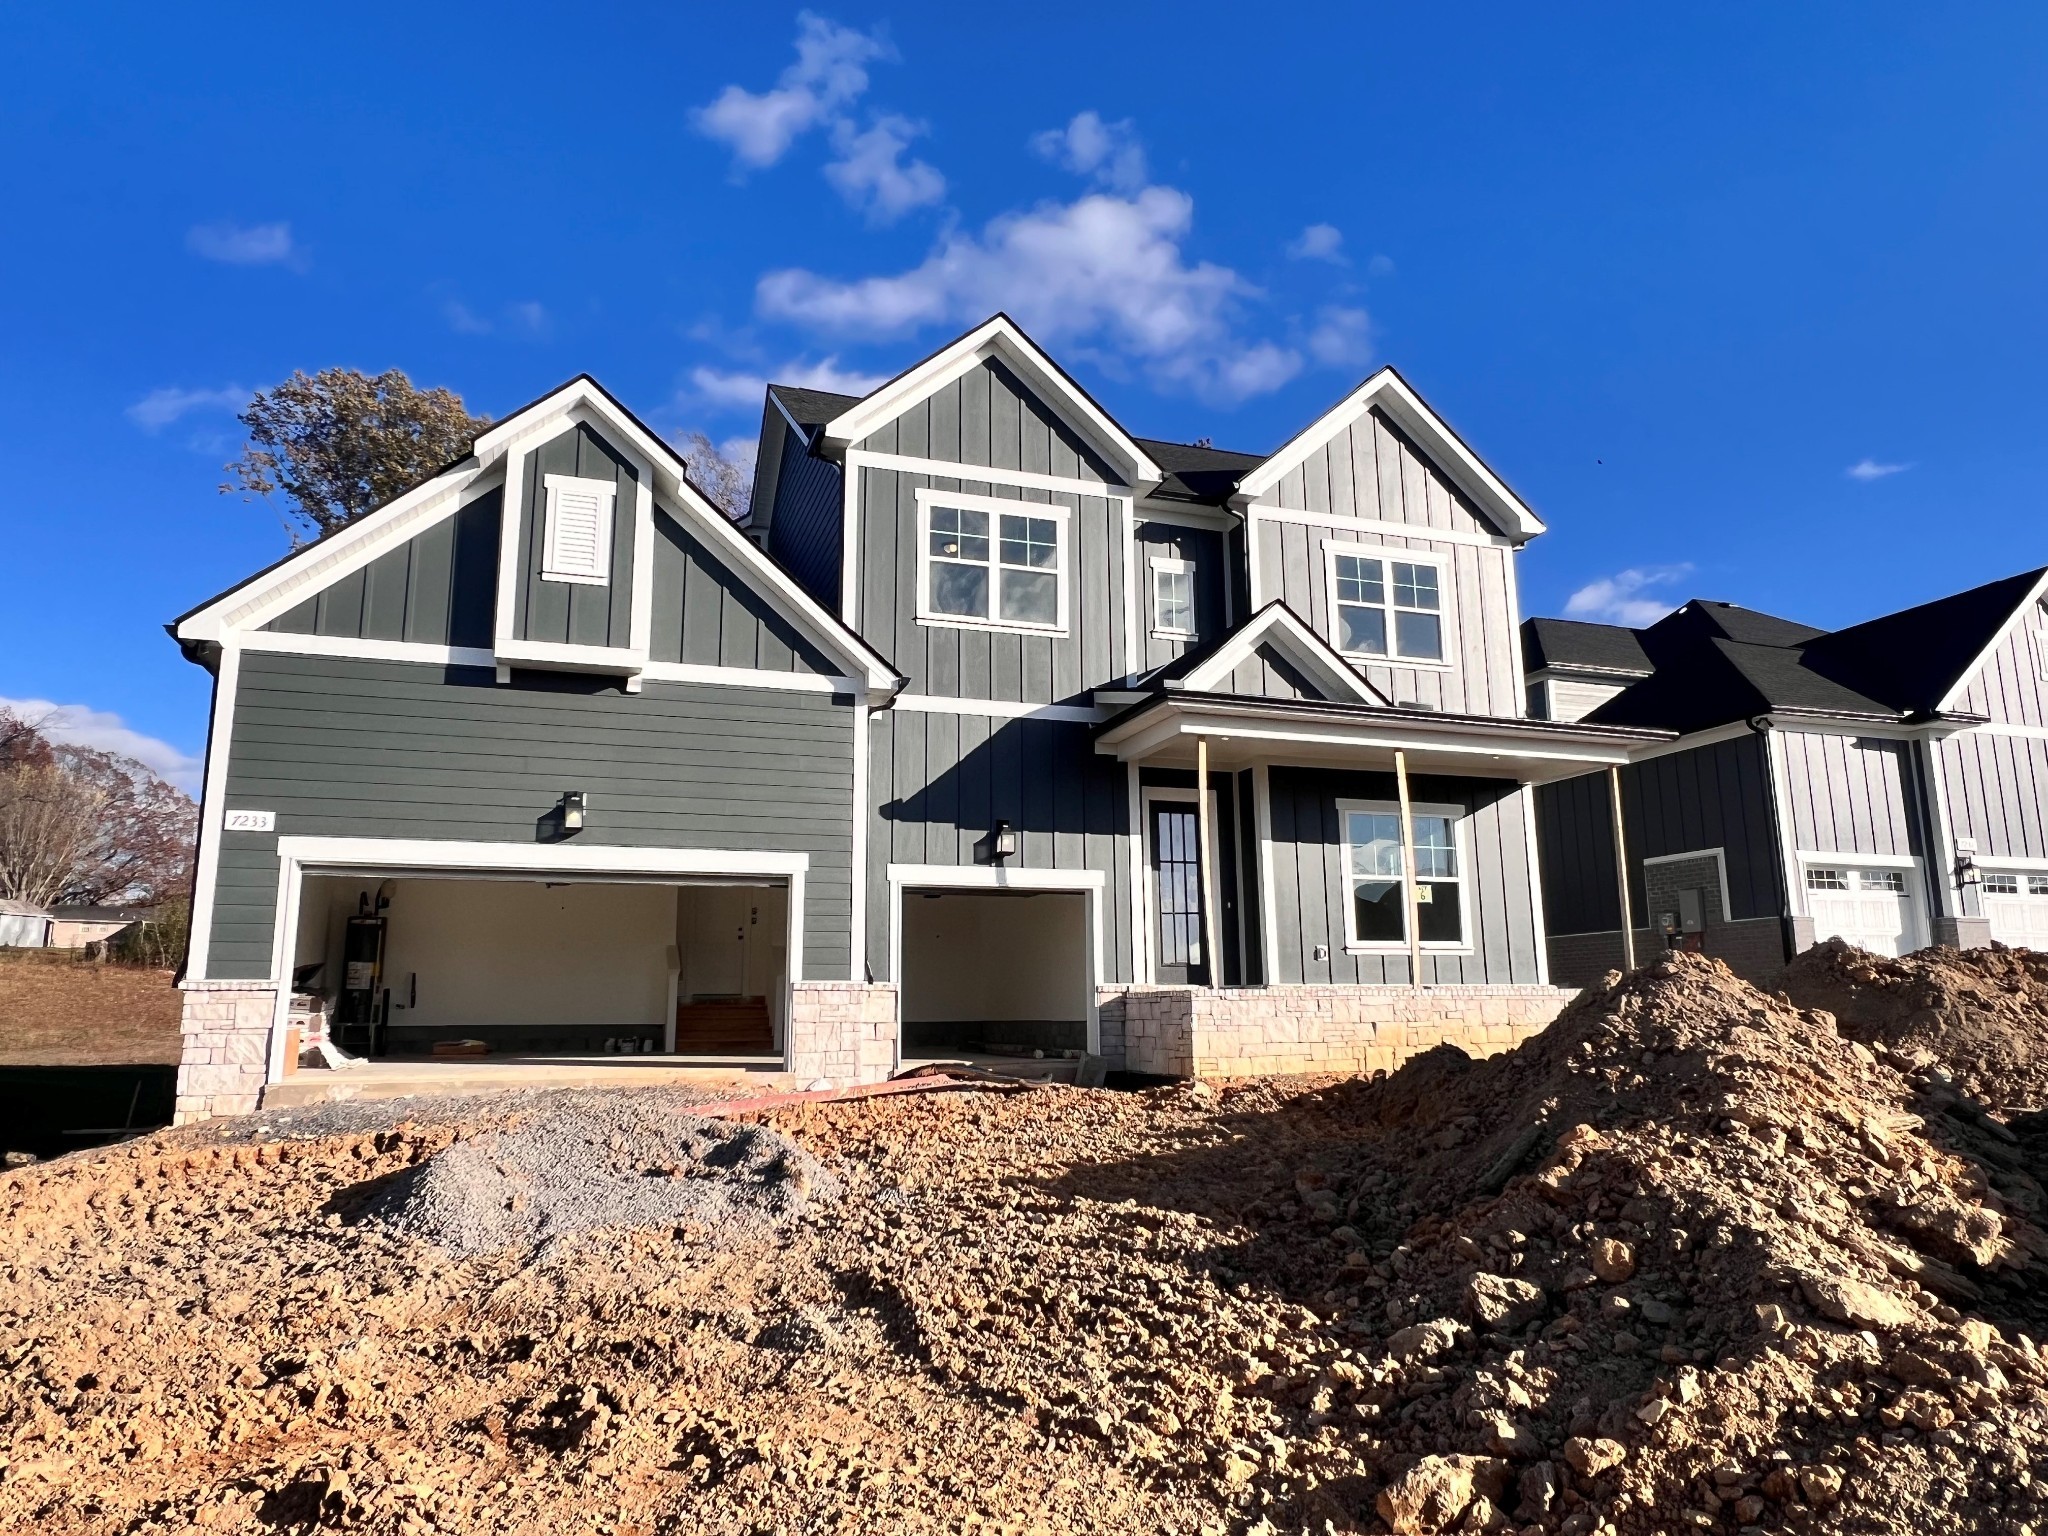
1871, 908
2017, 906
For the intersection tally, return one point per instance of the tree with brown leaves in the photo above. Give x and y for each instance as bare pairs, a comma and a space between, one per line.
340, 443
728, 479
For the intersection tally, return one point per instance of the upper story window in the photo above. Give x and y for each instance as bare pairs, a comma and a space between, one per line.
1386, 603
576, 543
1375, 915
1173, 598
989, 562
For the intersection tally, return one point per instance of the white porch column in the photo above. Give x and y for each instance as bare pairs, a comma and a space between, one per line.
1628, 922
1212, 945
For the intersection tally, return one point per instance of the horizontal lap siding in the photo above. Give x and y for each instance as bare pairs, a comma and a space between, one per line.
1311, 890
346, 748
940, 782
437, 588
1372, 471
1997, 792
705, 615
1850, 794
1715, 796
576, 613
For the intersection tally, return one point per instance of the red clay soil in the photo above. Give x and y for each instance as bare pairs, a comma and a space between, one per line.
59, 1012
1979, 1014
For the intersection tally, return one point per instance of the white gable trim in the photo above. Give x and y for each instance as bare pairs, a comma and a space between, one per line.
1390, 393
996, 337
1279, 627
2013, 620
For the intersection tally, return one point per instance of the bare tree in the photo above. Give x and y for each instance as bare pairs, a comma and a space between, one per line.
340, 443
86, 826
727, 478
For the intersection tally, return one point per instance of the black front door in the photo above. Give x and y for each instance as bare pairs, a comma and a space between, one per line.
1177, 888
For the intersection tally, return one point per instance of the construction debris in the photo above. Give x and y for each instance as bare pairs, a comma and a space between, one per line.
1687, 1261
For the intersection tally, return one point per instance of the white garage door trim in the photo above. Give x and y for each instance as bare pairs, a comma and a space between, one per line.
1846, 912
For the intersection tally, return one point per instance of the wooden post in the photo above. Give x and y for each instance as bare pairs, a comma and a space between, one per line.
1409, 904
1212, 947
1628, 922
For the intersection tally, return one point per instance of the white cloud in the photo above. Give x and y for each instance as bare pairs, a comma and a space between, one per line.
1318, 242
829, 73
871, 175
1871, 469
1342, 337
244, 245
1087, 146
465, 321
1621, 599
160, 407
1380, 266
82, 726
527, 318
737, 388
1104, 269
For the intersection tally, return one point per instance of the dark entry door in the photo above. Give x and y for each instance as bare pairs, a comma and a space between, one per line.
1177, 882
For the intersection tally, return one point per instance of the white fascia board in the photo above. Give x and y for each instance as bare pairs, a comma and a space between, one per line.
319, 565
748, 677
973, 877
1302, 645
578, 658
1390, 392
399, 853
2020, 610
419, 651
1193, 717
997, 336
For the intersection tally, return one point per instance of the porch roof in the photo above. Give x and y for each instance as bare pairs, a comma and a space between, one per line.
1243, 730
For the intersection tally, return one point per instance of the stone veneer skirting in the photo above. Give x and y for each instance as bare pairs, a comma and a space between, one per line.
842, 1031
1248, 1031
225, 1048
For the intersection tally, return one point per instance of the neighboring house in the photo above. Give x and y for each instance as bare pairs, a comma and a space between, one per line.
548, 752
75, 927
23, 925
1887, 783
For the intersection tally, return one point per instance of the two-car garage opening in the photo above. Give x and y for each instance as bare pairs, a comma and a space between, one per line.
423, 964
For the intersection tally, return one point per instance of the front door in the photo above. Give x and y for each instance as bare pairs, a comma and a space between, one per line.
1177, 894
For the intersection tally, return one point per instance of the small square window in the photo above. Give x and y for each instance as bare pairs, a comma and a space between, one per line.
1173, 598
1820, 878
2037, 885
1891, 880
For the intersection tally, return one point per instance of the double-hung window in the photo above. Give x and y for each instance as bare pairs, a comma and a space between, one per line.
1376, 905
576, 543
1386, 603
989, 562
1173, 598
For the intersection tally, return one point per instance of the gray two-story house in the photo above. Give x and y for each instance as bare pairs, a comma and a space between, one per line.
1886, 783
993, 729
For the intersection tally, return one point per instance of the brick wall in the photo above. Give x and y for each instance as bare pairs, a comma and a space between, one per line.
225, 1048
1250, 1031
842, 1031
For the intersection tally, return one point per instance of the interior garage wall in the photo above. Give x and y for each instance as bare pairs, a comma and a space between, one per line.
497, 952
969, 957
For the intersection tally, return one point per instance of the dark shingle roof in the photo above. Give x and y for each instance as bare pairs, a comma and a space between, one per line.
1195, 473
812, 407
1573, 645
1727, 621
1913, 658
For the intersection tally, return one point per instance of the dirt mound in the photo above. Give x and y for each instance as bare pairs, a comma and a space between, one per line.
1979, 1014
601, 1163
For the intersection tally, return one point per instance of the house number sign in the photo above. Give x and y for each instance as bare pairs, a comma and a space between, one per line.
251, 821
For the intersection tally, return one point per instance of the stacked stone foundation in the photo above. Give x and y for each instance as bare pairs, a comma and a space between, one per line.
842, 1032
1256, 1031
225, 1048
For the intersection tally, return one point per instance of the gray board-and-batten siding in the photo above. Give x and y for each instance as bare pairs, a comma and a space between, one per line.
437, 588
574, 612
340, 747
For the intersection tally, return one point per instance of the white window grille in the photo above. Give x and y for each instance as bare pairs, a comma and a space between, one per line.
1173, 598
1375, 916
1002, 564
1386, 603
1821, 878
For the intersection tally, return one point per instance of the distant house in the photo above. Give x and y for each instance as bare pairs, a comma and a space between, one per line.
74, 927
23, 925
1887, 783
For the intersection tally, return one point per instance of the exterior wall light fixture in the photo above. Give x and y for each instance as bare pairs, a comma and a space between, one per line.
1002, 842
573, 804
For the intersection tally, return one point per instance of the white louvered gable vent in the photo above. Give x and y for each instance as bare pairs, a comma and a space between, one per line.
578, 542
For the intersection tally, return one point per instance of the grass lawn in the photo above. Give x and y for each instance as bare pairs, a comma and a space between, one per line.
58, 1012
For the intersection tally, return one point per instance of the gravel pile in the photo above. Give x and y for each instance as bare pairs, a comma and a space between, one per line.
602, 1162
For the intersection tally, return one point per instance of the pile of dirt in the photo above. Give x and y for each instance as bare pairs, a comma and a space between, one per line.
1688, 1260
612, 1163
1981, 1015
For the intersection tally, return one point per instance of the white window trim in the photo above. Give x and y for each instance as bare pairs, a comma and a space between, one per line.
1332, 548
606, 492
1167, 565
1458, 815
1061, 516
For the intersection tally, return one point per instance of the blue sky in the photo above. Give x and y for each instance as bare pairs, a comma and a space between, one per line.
1748, 303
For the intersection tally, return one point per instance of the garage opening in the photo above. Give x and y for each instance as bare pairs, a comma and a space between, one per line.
416, 965
997, 973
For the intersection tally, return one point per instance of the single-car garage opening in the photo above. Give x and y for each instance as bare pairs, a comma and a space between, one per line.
994, 972
422, 965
